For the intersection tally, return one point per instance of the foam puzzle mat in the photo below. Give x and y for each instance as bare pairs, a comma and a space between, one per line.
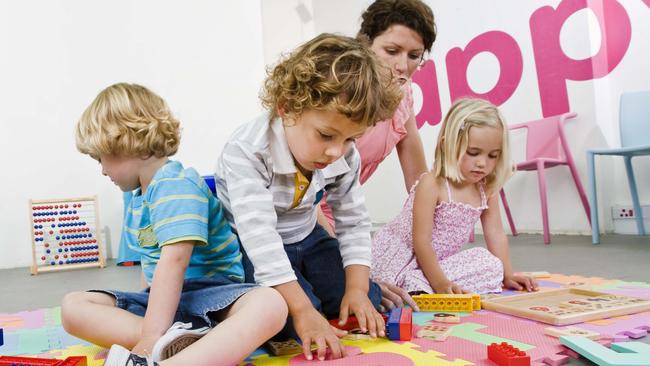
39, 333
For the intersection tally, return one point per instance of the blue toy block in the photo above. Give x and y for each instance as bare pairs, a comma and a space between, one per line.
392, 325
620, 354
399, 324
2, 340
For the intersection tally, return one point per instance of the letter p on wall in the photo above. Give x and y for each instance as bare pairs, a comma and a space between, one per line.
554, 67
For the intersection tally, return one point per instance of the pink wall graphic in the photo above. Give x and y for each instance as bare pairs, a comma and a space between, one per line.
553, 67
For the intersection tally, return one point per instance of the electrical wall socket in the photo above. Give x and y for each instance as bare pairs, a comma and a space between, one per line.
627, 212
623, 217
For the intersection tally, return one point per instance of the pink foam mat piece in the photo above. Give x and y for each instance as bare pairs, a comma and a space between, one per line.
635, 333
554, 360
498, 325
619, 326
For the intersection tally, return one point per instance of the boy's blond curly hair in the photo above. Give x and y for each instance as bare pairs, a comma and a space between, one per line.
332, 72
128, 120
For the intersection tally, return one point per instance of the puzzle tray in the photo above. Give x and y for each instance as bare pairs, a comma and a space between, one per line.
567, 306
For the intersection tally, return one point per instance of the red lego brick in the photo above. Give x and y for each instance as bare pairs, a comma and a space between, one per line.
505, 354
406, 324
352, 323
33, 361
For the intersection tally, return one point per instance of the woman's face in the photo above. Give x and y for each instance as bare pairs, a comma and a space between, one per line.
401, 48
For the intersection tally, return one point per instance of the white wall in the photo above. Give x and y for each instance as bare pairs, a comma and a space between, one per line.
595, 101
208, 58
204, 57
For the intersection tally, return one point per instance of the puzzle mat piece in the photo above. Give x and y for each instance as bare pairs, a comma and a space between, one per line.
620, 354
31, 319
426, 317
573, 280
618, 326
375, 353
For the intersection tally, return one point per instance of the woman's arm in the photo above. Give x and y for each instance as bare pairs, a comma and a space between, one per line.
411, 153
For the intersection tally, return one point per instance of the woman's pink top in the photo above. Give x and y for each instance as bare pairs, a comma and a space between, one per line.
380, 140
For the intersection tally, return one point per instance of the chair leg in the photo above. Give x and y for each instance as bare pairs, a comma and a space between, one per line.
542, 196
591, 170
635, 195
506, 208
581, 191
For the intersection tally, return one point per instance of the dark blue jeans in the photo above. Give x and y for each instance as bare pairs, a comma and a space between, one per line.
317, 263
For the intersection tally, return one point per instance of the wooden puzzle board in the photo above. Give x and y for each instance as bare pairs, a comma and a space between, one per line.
65, 234
567, 305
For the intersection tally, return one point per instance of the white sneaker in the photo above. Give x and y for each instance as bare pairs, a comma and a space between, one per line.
120, 356
177, 338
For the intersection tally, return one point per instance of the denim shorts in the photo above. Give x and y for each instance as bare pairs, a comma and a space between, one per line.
200, 299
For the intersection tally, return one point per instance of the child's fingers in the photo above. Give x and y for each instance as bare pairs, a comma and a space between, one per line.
339, 332
381, 326
336, 348
321, 348
343, 314
363, 322
306, 347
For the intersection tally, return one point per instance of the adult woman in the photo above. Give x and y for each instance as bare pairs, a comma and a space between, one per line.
400, 32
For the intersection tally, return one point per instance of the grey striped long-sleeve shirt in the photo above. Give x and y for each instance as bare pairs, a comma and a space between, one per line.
255, 182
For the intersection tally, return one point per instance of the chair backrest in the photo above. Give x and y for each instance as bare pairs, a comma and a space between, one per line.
543, 139
634, 119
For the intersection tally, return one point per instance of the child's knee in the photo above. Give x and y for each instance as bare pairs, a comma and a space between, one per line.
274, 307
69, 309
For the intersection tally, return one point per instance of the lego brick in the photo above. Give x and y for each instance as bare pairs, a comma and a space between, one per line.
392, 325
448, 302
406, 324
400, 324
33, 361
351, 324
504, 354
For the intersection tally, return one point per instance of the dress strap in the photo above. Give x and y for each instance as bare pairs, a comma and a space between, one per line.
481, 188
416, 182
448, 190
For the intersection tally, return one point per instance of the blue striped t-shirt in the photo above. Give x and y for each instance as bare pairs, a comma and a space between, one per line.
178, 206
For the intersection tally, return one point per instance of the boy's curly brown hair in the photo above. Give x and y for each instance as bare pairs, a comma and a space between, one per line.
332, 72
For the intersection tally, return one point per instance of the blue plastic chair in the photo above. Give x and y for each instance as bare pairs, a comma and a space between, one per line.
634, 124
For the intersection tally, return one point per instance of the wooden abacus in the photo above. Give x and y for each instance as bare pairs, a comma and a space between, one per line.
65, 234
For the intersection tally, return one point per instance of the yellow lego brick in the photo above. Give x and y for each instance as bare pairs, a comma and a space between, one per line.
448, 302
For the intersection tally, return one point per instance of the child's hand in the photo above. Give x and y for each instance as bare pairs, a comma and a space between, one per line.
447, 287
312, 327
518, 282
357, 302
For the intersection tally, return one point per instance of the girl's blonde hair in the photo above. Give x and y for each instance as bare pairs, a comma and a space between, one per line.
332, 72
128, 120
453, 139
